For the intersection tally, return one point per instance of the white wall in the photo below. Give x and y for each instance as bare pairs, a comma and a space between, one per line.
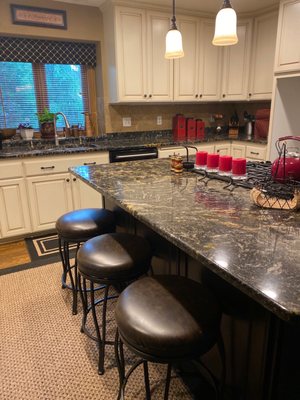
285, 112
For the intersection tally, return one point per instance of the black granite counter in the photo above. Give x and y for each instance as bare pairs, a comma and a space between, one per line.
39, 147
256, 250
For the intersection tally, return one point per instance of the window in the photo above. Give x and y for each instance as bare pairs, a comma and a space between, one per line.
26, 89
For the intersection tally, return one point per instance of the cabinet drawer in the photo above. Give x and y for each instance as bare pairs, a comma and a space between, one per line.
44, 166
11, 170
53, 165
256, 153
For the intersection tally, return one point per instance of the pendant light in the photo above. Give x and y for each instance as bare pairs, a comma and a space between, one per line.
225, 28
174, 40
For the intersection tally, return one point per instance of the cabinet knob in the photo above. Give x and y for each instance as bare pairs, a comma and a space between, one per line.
68, 180
200, 95
74, 179
224, 95
150, 95
196, 95
145, 95
250, 94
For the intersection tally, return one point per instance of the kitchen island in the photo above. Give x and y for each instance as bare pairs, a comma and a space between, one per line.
248, 255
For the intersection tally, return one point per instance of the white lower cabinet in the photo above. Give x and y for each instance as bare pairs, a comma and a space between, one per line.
50, 197
223, 149
238, 150
14, 211
35, 192
84, 196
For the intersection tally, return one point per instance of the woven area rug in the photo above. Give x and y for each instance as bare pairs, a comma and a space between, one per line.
43, 355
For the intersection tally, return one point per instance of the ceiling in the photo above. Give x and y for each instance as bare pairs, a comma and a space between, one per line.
210, 6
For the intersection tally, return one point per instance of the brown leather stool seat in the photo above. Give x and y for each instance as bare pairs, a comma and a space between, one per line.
109, 259
77, 227
165, 319
81, 225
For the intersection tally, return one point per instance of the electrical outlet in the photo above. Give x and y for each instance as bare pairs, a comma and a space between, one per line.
159, 120
126, 121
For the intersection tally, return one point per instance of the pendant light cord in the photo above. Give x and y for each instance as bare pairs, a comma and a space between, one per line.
173, 20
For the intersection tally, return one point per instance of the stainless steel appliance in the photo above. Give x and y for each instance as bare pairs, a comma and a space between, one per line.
133, 154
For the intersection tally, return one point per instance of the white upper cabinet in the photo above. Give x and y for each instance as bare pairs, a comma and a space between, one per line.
160, 70
262, 58
287, 57
142, 72
197, 74
235, 76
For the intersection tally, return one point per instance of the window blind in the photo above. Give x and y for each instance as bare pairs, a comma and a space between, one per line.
27, 89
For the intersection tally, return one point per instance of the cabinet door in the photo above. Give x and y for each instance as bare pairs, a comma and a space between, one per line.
84, 196
186, 68
14, 212
288, 37
223, 149
210, 60
262, 59
238, 150
235, 75
131, 54
50, 197
159, 70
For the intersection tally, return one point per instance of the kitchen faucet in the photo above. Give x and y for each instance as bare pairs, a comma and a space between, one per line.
55, 129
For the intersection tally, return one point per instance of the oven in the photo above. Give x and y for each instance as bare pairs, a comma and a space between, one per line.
132, 154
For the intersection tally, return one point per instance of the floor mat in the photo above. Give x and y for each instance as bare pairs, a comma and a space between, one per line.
45, 247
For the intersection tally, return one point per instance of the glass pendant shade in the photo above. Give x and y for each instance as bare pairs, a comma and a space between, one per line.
174, 44
225, 28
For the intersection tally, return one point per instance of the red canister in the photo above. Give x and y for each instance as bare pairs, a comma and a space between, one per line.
200, 129
191, 128
179, 127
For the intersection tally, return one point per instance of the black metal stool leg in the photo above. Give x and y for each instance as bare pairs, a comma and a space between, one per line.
168, 379
147, 382
119, 361
75, 291
63, 261
84, 301
103, 341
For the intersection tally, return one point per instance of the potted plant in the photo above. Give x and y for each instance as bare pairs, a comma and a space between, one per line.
46, 120
26, 131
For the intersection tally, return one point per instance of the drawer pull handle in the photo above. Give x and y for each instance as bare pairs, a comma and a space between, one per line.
254, 152
74, 179
90, 163
52, 167
68, 180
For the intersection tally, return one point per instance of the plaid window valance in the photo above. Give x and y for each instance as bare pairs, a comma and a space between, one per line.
47, 51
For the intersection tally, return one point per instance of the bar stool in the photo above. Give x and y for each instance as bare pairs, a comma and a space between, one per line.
112, 259
77, 227
166, 319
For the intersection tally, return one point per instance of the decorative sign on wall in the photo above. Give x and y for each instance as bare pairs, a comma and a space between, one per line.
41, 17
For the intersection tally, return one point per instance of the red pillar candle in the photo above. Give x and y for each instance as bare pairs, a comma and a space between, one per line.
212, 162
225, 164
201, 158
239, 166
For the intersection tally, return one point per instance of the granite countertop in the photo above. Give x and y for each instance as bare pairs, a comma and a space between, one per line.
256, 250
38, 147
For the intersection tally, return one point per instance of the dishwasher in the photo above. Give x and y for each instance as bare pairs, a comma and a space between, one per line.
133, 154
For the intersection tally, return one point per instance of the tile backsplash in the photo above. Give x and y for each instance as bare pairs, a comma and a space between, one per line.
144, 117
